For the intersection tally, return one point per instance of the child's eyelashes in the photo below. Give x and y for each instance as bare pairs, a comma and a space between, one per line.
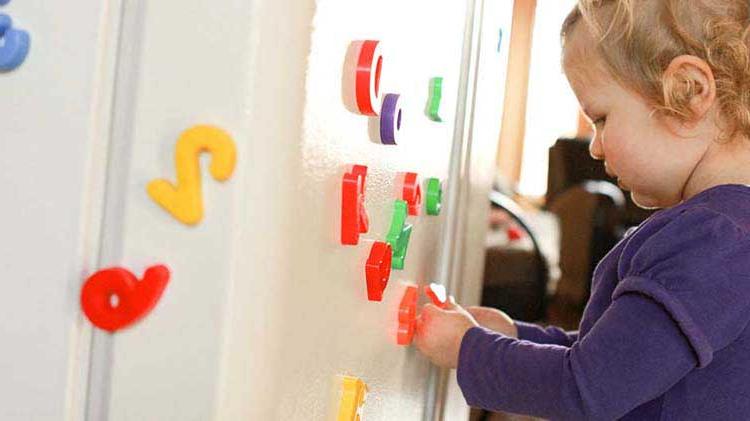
599, 123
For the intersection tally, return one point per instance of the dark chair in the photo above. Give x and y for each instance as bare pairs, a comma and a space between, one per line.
516, 280
593, 214
570, 164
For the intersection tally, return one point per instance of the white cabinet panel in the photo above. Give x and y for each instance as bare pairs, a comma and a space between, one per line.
53, 142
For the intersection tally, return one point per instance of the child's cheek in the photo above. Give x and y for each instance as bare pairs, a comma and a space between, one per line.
611, 147
623, 148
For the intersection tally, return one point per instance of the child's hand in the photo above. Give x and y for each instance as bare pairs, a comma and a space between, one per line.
439, 332
494, 319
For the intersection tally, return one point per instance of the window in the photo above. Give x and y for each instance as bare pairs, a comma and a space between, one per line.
552, 108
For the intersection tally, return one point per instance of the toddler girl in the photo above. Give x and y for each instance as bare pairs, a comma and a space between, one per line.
665, 334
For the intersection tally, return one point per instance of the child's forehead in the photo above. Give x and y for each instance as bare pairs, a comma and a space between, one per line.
581, 61
589, 83
584, 67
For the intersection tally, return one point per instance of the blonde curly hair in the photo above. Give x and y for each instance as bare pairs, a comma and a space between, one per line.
637, 40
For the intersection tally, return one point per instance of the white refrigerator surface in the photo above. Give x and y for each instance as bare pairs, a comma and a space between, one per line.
265, 310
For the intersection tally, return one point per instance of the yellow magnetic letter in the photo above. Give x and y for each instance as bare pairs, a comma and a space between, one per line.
185, 201
352, 399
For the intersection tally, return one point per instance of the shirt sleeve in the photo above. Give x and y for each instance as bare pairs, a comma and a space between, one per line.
551, 335
684, 294
633, 354
697, 267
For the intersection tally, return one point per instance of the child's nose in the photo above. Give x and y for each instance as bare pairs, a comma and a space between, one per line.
595, 149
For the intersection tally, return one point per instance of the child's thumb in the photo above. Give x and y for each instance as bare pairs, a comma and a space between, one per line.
450, 303
428, 310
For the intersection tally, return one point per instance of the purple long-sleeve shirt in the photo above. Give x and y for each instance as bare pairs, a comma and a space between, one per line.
664, 335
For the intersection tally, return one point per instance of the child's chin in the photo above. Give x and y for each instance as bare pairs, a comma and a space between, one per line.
645, 202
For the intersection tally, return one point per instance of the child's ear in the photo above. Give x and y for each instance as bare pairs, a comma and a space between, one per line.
689, 89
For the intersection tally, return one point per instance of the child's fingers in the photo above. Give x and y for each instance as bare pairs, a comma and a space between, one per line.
480, 312
424, 318
428, 311
476, 314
